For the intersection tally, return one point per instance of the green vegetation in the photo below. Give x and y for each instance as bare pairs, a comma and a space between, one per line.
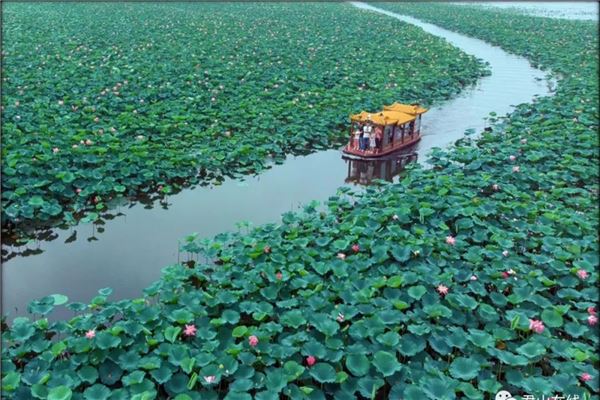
105, 101
478, 274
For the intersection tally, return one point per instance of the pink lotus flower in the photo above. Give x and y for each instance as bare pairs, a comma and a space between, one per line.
505, 274
591, 310
495, 187
582, 273
90, 334
279, 276
210, 379
592, 320
78, 190
443, 290
536, 325
55, 150
89, 142
310, 361
473, 278
512, 158
341, 256
450, 240
340, 317
516, 169
267, 249
190, 330
355, 248
585, 377
253, 341
505, 253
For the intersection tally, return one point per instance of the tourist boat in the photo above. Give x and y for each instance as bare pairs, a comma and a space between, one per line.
397, 127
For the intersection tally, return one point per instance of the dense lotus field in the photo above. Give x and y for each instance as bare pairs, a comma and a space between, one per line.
477, 275
103, 101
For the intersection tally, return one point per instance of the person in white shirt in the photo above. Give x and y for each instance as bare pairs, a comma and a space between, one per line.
367, 129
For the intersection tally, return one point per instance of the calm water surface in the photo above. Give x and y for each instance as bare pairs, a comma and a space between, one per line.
133, 248
584, 10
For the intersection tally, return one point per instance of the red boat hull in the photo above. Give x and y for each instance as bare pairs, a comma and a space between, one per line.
383, 152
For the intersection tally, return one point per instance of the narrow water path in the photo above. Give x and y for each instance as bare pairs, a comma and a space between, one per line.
133, 248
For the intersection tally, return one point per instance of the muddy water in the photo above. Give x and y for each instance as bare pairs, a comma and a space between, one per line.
132, 249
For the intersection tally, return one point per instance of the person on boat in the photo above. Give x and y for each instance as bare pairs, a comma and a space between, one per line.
372, 141
367, 129
378, 137
356, 137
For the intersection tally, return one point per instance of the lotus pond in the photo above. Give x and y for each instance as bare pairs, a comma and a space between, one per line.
93, 111
477, 275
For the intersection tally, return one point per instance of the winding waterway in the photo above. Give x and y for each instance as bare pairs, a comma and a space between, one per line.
133, 248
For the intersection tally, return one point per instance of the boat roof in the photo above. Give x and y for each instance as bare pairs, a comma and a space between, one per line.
394, 114
383, 117
412, 109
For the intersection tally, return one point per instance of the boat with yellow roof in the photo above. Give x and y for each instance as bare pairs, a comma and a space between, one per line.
377, 134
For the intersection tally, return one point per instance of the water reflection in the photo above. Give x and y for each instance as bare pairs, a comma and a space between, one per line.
365, 172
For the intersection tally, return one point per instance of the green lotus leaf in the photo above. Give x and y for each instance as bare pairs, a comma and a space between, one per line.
358, 364
390, 339
292, 370
59, 299
162, 374
416, 292
293, 319
531, 349
552, 318
59, 393
133, 378
276, 380
241, 385
464, 368
10, 381
96, 392
368, 386
88, 374
323, 373
386, 363
436, 388
239, 331
105, 340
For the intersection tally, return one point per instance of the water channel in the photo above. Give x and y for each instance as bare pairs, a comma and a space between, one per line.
133, 248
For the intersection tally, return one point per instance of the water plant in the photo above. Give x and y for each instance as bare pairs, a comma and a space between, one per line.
95, 110
459, 281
